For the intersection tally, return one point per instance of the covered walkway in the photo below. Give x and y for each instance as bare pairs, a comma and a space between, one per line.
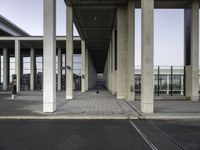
84, 105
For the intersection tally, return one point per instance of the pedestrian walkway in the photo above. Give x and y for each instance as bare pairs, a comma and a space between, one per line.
171, 109
89, 105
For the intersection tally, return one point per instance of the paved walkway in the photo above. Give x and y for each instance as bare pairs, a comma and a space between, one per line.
84, 105
90, 105
171, 109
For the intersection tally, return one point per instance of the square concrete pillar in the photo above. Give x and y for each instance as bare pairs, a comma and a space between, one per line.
192, 51
122, 34
59, 69
147, 85
69, 54
113, 63
32, 67
17, 63
5, 69
83, 66
49, 60
0, 70
110, 67
86, 69
130, 92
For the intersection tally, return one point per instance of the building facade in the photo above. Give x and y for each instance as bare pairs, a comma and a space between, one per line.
106, 45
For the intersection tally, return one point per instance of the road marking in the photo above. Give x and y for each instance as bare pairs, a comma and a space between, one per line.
153, 147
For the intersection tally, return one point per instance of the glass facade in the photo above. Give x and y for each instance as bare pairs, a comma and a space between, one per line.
167, 80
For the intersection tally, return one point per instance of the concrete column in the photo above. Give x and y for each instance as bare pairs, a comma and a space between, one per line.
182, 84
0, 69
69, 54
130, 92
109, 79
113, 63
122, 34
83, 66
59, 68
86, 70
147, 87
49, 77
192, 50
5, 69
32, 66
110, 68
168, 83
17, 63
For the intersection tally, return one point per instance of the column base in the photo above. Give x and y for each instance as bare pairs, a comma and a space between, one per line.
194, 98
4, 88
130, 97
49, 107
69, 97
120, 97
147, 107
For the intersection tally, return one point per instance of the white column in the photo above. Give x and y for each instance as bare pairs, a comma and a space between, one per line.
83, 66
108, 59
86, 70
192, 50
113, 63
17, 63
5, 69
0, 69
147, 87
168, 83
110, 68
195, 51
122, 34
49, 77
32, 66
131, 52
59, 68
69, 54
182, 84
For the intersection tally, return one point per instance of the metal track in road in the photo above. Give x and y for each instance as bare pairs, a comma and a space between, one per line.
165, 135
144, 137
162, 134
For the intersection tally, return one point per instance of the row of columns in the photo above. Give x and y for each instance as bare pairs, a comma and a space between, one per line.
49, 91
32, 67
122, 76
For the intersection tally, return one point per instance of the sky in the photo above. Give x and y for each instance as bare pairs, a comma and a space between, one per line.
168, 28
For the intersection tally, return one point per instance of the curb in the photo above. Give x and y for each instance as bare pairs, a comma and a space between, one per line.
69, 117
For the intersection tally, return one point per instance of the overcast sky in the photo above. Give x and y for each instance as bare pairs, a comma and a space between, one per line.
168, 40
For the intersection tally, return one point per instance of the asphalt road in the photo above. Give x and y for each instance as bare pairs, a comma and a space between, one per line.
99, 135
